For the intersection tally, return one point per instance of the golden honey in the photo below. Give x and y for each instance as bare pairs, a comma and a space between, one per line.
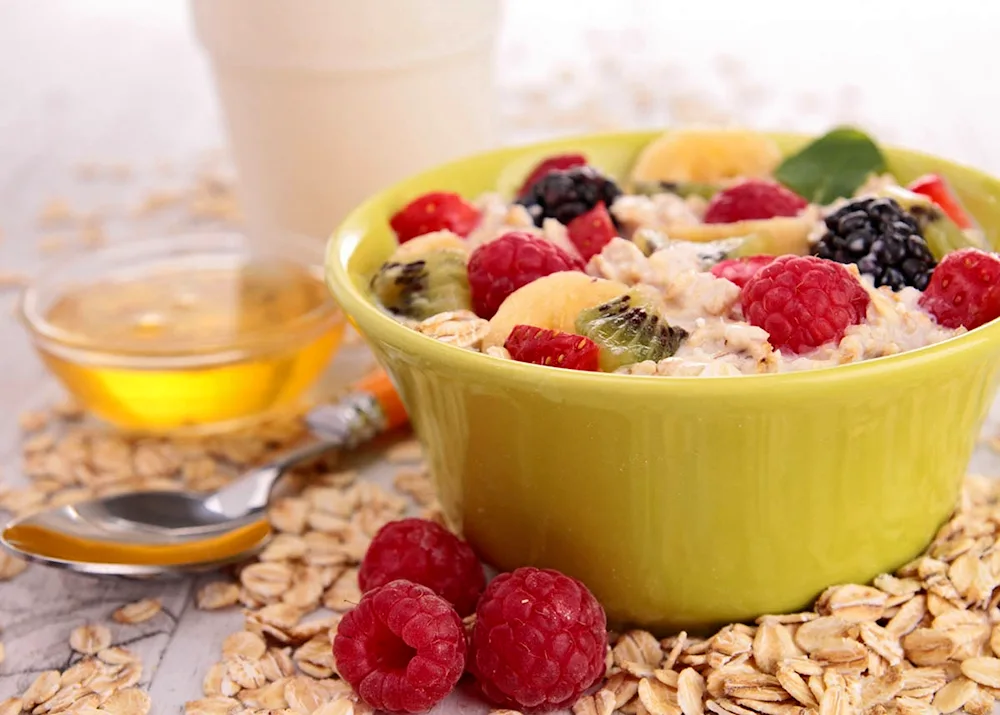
37, 540
200, 343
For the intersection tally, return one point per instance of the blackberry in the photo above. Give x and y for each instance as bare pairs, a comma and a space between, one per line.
564, 195
882, 239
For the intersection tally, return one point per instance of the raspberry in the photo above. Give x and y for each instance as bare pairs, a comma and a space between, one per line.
500, 267
937, 190
753, 199
559, 162
564, 195
740, 270
592, 231
803, 302
964, 289
436, 211
402, 648
424, 552
549, 347
539, 640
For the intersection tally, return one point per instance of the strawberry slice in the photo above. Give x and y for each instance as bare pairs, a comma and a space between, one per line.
527, 343
559, 162
740, 270
592, 231
436, 211
937, 190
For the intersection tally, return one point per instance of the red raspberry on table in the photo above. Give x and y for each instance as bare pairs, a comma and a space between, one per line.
753, 199
592, 231
558, 162
803, 302
527, 343
539, 640
740, 270
424, 552
436, 211
964, 289
500, 267
402, 648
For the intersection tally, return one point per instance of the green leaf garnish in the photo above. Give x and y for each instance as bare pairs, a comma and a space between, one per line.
833, 166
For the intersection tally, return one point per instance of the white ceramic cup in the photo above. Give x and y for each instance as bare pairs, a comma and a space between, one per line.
328, 101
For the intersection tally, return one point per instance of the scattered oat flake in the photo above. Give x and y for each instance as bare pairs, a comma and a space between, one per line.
42, 688
90, 639
11, 706
130, 701
11, 566
138, 612
217, 594
211, 706
244, 643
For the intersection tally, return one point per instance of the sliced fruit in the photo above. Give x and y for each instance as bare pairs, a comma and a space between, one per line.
705, 156
754, 199
425, 245
559, 162
526, 343
629, 329
937, 190
592, 231
786, 234
551, 302
432, 284
941, 233
435, 211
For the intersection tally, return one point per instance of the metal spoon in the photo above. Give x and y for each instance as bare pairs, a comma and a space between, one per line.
179, 519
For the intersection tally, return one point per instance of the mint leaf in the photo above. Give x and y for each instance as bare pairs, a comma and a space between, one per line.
833, 166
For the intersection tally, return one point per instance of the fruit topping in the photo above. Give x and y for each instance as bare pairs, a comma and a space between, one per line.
435, 283
402, 648
937, 190
803, 302
498, 268
559, 162
964, 290
527, 343
592, 231
629, 329
551, 302
564, 195
435, 211
753, 199
740, 270
417, 248
424, 552
941, 233
539, 640
705, 156
882, 239
832, 167
776, 236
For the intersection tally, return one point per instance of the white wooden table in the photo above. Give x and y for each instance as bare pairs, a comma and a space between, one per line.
121, 81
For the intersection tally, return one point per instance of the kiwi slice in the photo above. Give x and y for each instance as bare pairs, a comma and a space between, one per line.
432, 284
941, 233
683, 189
629, 329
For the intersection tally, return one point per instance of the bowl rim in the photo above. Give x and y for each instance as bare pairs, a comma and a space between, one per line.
147, 254
376, 323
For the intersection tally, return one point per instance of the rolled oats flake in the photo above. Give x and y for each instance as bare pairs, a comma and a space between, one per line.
90, 639
138, 612
217, 594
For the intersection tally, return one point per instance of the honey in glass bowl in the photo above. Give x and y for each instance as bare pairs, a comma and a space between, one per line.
197, 332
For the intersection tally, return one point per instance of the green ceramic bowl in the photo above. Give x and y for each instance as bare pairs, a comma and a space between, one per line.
681, 502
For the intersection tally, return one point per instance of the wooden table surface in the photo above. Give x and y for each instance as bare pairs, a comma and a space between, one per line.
121, 83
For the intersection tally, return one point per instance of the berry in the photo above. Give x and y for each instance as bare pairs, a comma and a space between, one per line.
500, 267
740, 270
539, 640
882, 239
424, 552
402, 648
550, 347
436, 211
803, 302
559, 162
753, 199
937, 190
964, 290
564, 195
592, 231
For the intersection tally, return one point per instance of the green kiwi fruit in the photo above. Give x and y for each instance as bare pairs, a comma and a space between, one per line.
629, 329
432, 284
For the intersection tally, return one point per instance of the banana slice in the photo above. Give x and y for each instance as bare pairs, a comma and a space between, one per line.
705, 156
421, 246
774, 236
552, 302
